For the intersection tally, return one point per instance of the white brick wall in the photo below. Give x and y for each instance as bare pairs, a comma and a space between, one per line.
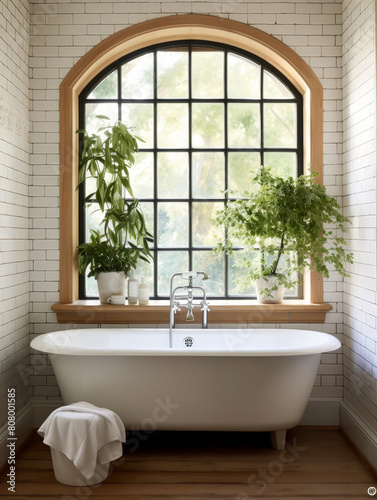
359, 200
14, 203
63, 32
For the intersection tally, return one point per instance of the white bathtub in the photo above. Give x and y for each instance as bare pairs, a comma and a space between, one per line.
228, 380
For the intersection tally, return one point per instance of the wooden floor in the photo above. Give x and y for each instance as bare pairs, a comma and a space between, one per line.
317, 464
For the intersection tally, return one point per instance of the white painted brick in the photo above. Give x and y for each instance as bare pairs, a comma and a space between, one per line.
332, 29
309, 29
70, 8
254, 7
85, 19
295, 19
86, 40
322, 19
71, 29
278, 7
14, 178
92, 30
306, 52
255, 18
113, 18
100, 8
358, 117
305, 8
126, 8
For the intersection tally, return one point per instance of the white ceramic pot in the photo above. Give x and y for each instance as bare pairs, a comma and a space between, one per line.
277, 296
110, 284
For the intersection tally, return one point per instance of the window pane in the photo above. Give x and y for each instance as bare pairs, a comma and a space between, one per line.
172, 125
243, 78
282, 164
280, 125
92, 110
138, 117
90, 185
147, 208
273, 88
141, 175
172, 175
137, 78
243, 125
173, 224
93, 218
242, 168
214, 267
204, 228
172, 73
91, 286
207, 125
207, 73
107, 88
236, 273
147, 270
168, 264
207, 175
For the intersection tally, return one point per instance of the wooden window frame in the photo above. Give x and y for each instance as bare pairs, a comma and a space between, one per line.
195, 27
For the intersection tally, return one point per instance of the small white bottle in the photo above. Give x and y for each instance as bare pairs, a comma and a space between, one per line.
143, 293
132, 289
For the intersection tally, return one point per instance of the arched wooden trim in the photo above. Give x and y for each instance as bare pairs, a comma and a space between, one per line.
173, 28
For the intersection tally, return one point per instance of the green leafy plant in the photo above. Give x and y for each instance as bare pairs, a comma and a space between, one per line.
106, 160
284, 226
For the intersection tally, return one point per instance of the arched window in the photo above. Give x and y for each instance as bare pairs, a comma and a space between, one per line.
222, 36
209, 115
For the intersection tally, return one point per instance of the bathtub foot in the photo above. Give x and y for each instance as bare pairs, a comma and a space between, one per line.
278, 439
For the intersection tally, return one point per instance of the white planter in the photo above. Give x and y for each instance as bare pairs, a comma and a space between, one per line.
277, 296
110, 284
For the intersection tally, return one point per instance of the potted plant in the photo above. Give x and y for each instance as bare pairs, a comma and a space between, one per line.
106, 159
283, 223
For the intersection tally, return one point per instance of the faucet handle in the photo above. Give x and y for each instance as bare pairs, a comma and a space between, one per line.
205, 306
176, 307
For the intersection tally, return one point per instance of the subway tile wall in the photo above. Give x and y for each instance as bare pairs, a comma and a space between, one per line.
62, 32
14, 205
359, 201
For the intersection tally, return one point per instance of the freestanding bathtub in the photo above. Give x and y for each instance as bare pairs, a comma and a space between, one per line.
222, 380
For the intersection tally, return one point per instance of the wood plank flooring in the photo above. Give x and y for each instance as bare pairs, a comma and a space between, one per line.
317, 464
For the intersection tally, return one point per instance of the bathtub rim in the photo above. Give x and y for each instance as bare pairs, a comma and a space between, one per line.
330, 343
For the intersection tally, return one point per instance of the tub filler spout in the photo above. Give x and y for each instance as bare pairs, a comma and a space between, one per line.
186, 293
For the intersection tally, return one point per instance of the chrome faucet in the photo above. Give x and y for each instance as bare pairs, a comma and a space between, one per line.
186, 292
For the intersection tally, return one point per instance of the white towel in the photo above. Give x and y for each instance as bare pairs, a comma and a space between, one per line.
85, 434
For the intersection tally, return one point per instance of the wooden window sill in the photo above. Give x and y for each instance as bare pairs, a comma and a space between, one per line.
221, 311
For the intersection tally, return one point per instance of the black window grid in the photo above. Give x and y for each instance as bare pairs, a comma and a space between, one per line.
190, 150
